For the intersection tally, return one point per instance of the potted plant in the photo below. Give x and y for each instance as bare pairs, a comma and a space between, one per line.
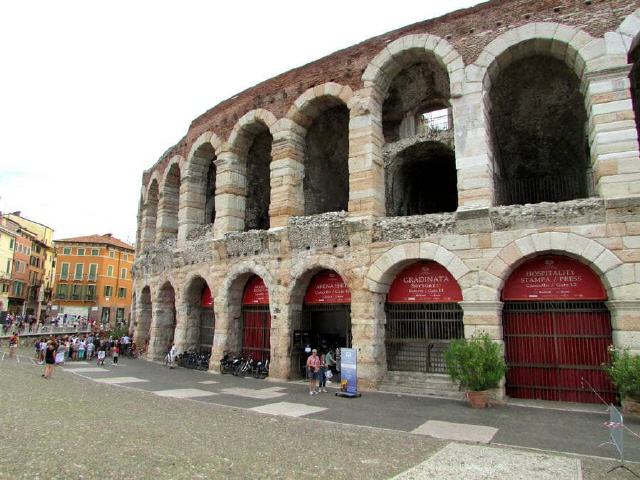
477, 364
624, 370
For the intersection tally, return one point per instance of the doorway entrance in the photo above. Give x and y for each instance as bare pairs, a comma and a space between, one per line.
256, 320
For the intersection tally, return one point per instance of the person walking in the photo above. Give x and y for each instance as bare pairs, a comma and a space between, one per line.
173, 353
322, 375
49, 359
116, 353
13, 345
313, 371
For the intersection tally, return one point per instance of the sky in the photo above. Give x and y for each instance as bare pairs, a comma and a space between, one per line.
93, 92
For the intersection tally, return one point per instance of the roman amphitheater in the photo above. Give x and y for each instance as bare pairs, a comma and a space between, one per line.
474, 172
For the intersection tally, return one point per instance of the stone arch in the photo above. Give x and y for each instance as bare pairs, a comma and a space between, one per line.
190, 328
198, 184
628, 31
164, 321
615, 275
143, 316
250, 147
148, 222
322, 143
383, 271
406, 50
303, 272
169, 204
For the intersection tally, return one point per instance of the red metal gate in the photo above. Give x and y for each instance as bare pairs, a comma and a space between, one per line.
557, 331
256, 320
550, 347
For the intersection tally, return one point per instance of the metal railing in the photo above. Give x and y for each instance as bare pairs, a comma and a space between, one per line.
44, 330
417, 335
549, 188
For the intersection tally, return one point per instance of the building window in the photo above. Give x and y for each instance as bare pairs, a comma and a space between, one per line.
8, 266
66, 251
123, 273
119, 314
93, 271
112, 254
76, 292
91, 292
17, 289
62, 291
11, 243
106, 311
122, 292
108, 290
64, 271
95, 252
5, 288
78, 273
110, 271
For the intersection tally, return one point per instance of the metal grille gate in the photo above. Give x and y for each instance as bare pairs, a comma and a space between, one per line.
551, 346
336, 318
207, 326
256, 331
418, 334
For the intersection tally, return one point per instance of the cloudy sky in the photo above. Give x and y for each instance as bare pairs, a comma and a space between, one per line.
93, 92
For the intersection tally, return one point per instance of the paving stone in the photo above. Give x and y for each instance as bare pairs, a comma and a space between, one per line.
85, 369
208, 382
288, 409
457, 431
184, 393
117, 380
457, 461
261, 394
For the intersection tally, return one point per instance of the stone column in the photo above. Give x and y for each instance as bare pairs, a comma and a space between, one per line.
148, 226
230, 194
368, 331
142, 323
280, 365
625, 323
192, 202
226, 336
612, 132
287, 173
180, 333
167, 225
486, 317
473, 149
366, 165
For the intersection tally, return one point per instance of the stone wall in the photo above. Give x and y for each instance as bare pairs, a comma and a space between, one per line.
478, 57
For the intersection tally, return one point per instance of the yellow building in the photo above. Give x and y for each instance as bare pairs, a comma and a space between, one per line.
7, 245
93, 278
40, 287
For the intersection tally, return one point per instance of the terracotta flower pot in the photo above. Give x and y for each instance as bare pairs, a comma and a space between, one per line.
478, 399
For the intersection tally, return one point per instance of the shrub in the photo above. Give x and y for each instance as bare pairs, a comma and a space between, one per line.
477, 363
624, 371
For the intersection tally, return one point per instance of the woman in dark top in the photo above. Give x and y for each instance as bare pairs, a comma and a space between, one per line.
49, 359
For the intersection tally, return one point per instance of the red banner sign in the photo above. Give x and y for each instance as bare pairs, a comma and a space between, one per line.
327, 287
206, 300
553, 277
424, 282
255, 293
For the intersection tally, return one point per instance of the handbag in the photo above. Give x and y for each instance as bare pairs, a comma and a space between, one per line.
328, 374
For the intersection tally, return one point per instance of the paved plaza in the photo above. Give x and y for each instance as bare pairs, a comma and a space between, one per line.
142, 420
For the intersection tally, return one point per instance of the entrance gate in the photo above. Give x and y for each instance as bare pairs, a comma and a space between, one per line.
207, 320
557, 331
423, 316
326, 313
256, 320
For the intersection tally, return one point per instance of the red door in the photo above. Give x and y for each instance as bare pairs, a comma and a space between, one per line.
256, 320
557, 331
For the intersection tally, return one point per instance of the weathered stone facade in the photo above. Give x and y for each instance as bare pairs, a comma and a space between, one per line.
348, 110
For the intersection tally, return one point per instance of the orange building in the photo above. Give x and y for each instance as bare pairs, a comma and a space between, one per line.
93, 278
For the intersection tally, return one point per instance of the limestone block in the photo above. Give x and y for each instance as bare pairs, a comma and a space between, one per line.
455, 242
606, 261
428, 250
626, 339
443, 257
559, 241
498, 268
621, 275
489, 280
546, 30
526, 246
630, 27
626, 292
541, 242
494, 331
457, 268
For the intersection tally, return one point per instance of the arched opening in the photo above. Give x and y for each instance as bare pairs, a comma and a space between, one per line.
204, 169
258, 183
163, 330
326, 162
143, 320
169, 205
150, 215
420, 169
199, 318
557, 330
423, 316
422, 179
634, 76
326, 316
538, 122
256, 320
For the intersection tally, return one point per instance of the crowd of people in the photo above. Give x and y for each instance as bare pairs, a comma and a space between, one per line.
23, 324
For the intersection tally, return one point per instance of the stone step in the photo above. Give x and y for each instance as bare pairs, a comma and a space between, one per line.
416, 383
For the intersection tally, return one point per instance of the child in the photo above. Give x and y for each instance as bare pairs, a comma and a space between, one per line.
101, 354
90, 348
116, 352
81, 350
